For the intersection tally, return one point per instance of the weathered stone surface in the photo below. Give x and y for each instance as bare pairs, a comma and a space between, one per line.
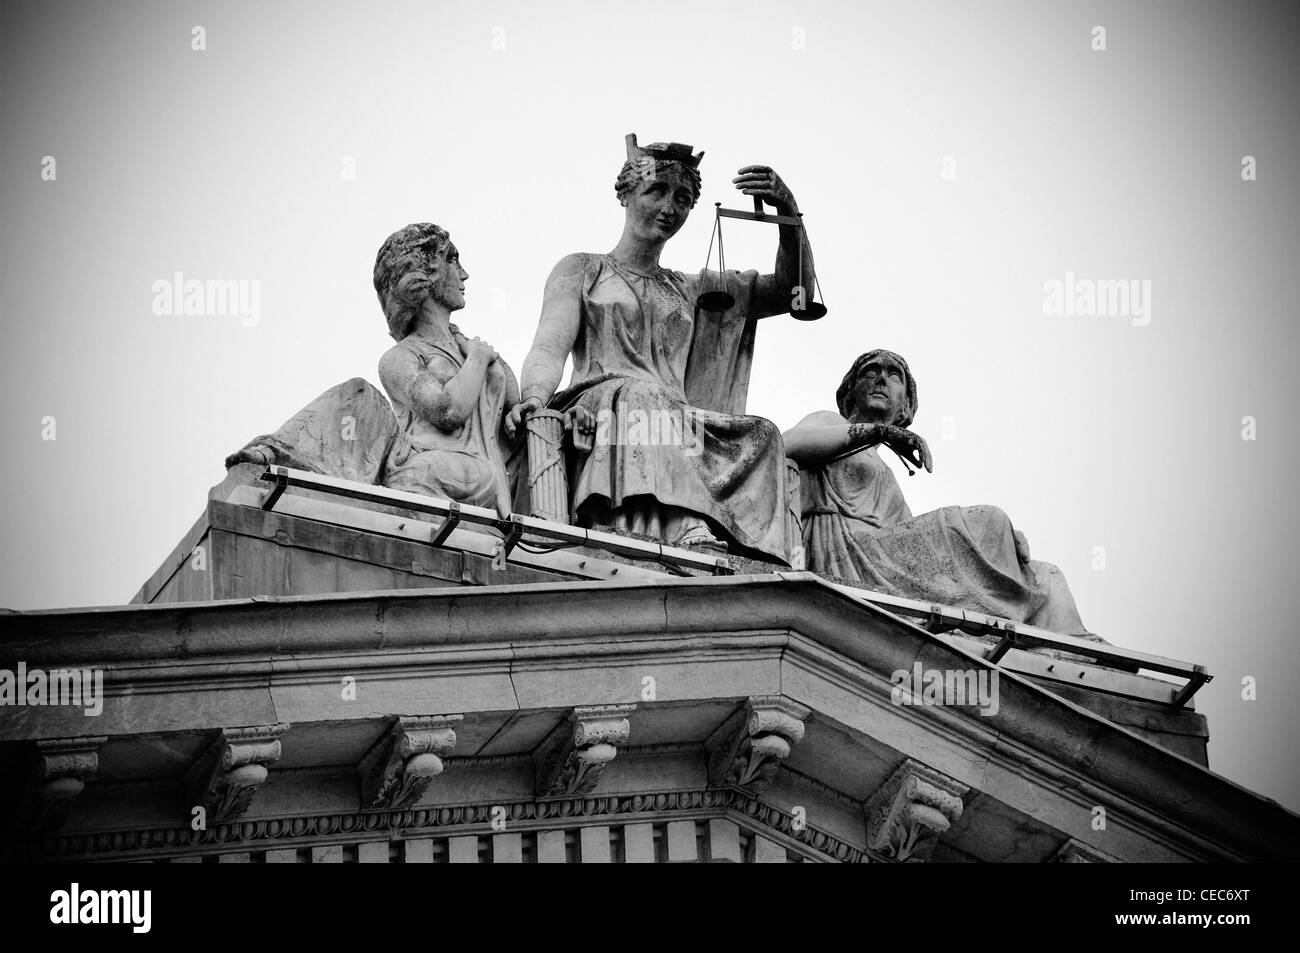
1077, 852
573, 758
858, 526
401, 766
226, 778
912, 810
748, 747
1039, 765
450, 392
645, 356
55, 779
346, 432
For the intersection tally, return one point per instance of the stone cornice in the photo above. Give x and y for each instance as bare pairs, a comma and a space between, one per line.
1078, 746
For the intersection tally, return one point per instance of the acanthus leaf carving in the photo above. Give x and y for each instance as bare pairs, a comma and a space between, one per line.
747, 749
399, 768
62, 767
572, 758
228, 774
911, 810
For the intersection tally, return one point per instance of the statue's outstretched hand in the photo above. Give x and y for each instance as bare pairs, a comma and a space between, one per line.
910, 446
762, 180
515, 419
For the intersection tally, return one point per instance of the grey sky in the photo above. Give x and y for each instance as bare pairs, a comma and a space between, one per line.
504, 123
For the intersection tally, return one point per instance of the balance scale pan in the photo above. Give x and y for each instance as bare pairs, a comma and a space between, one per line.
715, 301
812, 311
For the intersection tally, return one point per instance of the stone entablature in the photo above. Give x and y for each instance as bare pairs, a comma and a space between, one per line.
516, 662
672, 827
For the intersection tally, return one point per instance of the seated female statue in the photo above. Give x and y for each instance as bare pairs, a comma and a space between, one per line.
858, 527
659, 384
450, 392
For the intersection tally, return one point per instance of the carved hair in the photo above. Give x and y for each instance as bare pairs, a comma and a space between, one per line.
659, 159
844, 395
406, 250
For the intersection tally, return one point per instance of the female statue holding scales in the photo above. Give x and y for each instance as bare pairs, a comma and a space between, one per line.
641, 347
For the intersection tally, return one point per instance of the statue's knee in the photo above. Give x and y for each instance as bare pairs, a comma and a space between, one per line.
990, 515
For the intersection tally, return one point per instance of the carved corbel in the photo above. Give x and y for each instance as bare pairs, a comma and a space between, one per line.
746, 749
401, 765
572, 758
906, 817
62, 767
229, 772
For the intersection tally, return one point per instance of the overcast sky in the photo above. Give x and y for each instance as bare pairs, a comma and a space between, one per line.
952, 160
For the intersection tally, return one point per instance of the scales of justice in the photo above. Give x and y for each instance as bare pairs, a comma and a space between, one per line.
800, 308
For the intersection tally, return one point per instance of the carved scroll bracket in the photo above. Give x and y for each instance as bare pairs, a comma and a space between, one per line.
62, 767
401, 765
906, 817
572, 758
746, 749
229, 772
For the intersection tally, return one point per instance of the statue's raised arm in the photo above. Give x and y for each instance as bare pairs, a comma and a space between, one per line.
790, 286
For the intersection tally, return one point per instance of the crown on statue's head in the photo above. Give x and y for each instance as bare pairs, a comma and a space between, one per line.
662, 151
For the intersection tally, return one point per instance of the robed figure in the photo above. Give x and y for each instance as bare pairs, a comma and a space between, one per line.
858, 527
443, 434
659, 386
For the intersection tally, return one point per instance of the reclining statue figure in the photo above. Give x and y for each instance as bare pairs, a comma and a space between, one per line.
858, 527
450, 392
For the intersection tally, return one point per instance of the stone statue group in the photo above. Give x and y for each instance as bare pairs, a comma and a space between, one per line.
658, 442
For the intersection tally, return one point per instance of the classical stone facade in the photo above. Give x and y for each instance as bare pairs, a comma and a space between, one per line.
318, 682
